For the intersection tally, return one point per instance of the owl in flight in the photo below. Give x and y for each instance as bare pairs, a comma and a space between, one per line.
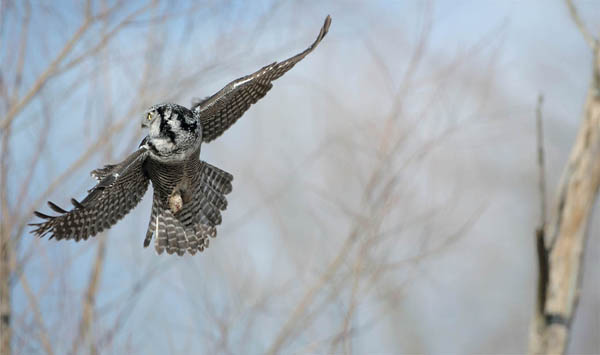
189, 194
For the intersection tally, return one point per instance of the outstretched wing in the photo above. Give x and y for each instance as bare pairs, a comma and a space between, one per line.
220, 111
119, 189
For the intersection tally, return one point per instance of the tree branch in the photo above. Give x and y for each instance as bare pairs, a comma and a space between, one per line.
587, 36
540, 160
89, 302
43, 78
563, 238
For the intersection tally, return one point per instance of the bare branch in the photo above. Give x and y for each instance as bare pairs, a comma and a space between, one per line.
89, 301
34, 304
43, 78
565, 234
290, 326
540, 160
55, 66
587, 36
105, 38
22, 52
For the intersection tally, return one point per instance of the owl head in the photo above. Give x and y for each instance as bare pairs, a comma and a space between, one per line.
172, 130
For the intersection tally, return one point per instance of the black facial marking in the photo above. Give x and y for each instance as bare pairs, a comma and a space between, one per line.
161, 111
166, 130
188, 127
151, 146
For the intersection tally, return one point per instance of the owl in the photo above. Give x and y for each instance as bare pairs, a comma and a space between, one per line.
189, 194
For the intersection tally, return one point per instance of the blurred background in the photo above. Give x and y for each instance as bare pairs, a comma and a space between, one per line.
385, 195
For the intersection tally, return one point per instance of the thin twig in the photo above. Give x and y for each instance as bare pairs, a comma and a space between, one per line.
106, 38
89, 301
290, 325
39, 320
540, 160
39, 149
54, 67
587, 36
541, 251
43, 78
22, 52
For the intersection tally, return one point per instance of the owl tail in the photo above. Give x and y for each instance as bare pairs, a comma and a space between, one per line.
189, 223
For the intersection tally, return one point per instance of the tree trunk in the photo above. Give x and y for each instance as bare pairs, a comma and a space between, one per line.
561, 242
5, 305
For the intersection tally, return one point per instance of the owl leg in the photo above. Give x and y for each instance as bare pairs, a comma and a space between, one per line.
175, 201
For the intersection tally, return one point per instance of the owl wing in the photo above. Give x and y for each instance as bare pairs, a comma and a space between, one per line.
220, 111
120, 188
103, 172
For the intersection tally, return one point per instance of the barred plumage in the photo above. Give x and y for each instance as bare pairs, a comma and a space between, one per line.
107, 202
223, 109
203, 188
189, 194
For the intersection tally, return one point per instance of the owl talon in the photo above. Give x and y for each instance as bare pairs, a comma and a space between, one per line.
175, 202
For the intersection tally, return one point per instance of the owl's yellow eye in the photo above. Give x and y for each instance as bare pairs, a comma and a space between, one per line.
149, 117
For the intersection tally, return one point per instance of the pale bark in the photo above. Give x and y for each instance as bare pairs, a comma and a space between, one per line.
562, 240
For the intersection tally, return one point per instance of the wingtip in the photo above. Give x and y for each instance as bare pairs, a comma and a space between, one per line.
42, 215
40, 230
56, 208
325, 27
327, 23
77, 204
322, 33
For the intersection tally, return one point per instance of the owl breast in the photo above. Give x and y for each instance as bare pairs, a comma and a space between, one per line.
173, 180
